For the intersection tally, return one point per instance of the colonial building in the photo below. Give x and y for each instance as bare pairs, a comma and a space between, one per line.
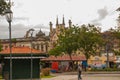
40, 41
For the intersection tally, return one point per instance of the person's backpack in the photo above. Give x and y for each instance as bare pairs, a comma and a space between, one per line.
79, 68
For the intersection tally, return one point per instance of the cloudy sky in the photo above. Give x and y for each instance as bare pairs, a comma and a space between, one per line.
38, 13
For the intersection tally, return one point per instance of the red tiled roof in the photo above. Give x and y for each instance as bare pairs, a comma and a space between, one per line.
20, 50
64, 58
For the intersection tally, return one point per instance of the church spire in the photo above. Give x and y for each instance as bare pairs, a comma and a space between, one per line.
63, 22
57, 21
70, 23
50, 26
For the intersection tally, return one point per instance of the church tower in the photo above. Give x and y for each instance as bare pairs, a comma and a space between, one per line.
57, 24
51, 28
70, 23
54, 32
57, 21
63, 21
118, 21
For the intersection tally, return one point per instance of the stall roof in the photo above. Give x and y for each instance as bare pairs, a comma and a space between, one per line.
22, 57
65, 58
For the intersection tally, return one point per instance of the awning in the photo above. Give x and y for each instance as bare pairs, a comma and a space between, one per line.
64, 58
39, 57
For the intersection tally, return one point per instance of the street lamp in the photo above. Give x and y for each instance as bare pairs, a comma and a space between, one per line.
31, 73
107, 52
9, 16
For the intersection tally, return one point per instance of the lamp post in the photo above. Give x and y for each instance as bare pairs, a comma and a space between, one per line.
107, 52
31, 71
9, 16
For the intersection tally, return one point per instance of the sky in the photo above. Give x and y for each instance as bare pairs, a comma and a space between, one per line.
38, 13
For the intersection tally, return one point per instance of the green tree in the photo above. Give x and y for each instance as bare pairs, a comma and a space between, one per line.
3, 6
90, 40
66, 43
116, 35
56, 51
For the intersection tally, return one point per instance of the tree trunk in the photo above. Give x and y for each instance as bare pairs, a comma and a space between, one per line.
73, 68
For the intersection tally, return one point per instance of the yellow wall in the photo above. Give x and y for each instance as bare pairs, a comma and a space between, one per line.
96, 60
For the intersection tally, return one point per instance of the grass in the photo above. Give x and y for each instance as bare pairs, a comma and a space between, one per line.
0, 76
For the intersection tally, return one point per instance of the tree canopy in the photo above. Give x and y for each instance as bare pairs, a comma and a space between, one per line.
90, 40
3, 6
66, 43
86, 38
116, 35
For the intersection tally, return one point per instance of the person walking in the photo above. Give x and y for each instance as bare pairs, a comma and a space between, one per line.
79, 72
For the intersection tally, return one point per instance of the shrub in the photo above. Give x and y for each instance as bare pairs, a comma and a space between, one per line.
105, 69
45, 72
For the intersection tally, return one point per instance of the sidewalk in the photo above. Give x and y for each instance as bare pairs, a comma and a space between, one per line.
74, 76
84, 77
62, 77
98, 78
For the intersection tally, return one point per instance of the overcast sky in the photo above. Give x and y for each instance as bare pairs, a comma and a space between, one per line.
38, 13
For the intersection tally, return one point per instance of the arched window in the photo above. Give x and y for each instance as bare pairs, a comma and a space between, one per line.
33, 46
38, 47
41, 47
46, 46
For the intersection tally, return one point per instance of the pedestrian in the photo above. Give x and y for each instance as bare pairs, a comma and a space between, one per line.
79, 72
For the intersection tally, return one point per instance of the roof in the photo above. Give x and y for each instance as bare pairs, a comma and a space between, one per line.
64, 58
21, 50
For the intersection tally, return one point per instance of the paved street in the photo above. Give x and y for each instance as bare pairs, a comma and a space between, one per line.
86, 77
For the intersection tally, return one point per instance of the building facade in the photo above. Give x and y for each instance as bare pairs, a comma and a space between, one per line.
40, 41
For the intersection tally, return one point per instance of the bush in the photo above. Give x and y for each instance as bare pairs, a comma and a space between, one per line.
45, 72
105, 69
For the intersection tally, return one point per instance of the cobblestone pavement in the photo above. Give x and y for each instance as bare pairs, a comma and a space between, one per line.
86, 77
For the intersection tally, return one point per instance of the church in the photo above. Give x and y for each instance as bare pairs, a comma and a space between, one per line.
54, 32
